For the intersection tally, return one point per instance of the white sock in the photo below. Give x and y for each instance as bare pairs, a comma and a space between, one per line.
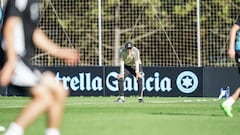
14, 129
229, 102
122, 97
140, 97
52, 131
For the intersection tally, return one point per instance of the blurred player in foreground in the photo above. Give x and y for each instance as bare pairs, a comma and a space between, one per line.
21, 38
130, 64
234, 52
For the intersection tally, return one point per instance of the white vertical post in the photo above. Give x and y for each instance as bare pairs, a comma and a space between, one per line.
198, 34
100, 32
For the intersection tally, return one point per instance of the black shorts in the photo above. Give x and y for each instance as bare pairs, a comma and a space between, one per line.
2, 57
237, 57
131, 70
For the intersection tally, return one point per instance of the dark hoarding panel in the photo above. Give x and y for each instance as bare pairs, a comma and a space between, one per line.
81, 81
3, 91
102, 81
220, 77
159, 81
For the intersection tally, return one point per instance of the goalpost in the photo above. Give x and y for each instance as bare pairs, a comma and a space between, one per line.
100, 33
198, 34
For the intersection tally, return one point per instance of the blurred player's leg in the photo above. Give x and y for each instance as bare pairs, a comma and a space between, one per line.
40, 102
14, 129
227, 105
49, 97
55, 111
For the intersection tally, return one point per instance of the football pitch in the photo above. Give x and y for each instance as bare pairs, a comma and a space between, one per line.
157, 116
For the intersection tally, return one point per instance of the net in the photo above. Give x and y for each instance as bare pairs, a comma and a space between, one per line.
163, 36
217, 20
165, 31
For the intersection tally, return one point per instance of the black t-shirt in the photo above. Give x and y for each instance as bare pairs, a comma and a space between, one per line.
238, 22
28, 12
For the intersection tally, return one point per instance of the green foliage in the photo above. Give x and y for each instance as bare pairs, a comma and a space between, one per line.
184, 10
64, 23
155, 21
156, 3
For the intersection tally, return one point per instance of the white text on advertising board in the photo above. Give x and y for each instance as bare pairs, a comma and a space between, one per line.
84, 81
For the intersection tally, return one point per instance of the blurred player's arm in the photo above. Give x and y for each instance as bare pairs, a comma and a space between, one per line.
233, 31
41, 41
8, 68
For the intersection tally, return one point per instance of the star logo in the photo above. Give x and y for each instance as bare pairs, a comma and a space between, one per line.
187, 82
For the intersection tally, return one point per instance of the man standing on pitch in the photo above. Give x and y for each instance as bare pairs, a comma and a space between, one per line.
21, 38
130, 64
233, 52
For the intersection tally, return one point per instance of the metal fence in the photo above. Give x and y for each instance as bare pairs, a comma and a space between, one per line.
168, 33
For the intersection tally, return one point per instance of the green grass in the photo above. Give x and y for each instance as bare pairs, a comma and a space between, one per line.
157, 116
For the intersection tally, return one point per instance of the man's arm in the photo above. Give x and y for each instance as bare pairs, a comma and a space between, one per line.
231, 50
42, 42
11, 56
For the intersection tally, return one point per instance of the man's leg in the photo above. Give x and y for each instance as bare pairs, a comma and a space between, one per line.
132, 70
46, 98
121, 85
236, 94
140, 87
56, 109
55, 112
227, 105
120, 90
40, 102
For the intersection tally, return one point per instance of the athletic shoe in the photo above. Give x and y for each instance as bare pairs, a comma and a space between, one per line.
227, 110
222, 93
120, 100
140, 100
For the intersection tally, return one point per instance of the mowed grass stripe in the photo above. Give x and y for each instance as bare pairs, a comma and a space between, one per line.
157, 116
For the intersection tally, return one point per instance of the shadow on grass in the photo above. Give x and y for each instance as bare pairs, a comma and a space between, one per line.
187, 114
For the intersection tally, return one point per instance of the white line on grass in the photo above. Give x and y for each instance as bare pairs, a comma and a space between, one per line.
79, 102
